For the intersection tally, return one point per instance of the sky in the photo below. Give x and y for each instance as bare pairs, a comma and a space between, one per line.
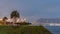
31, 9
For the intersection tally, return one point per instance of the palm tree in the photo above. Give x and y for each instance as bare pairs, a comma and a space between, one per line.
14, 15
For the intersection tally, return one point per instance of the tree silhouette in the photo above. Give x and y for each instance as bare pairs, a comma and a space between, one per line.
14, 15
5, 18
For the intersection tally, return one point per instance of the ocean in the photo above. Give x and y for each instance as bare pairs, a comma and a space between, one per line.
53, 29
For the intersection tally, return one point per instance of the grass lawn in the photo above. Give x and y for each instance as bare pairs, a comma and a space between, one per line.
23, 30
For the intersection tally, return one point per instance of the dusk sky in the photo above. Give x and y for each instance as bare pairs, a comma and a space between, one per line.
31, 9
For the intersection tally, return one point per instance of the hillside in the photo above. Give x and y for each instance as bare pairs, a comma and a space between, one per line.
48, 20
23, 30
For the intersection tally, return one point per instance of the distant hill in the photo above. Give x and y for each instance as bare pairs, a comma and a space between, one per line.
48, 20
23, 30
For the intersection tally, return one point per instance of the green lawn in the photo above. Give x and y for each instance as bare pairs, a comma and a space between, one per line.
23, 30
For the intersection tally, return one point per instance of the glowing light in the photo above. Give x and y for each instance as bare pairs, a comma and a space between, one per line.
8, 20
23, 20
1, 19
18, 20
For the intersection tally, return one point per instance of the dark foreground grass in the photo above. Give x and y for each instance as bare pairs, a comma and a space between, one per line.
23, 30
